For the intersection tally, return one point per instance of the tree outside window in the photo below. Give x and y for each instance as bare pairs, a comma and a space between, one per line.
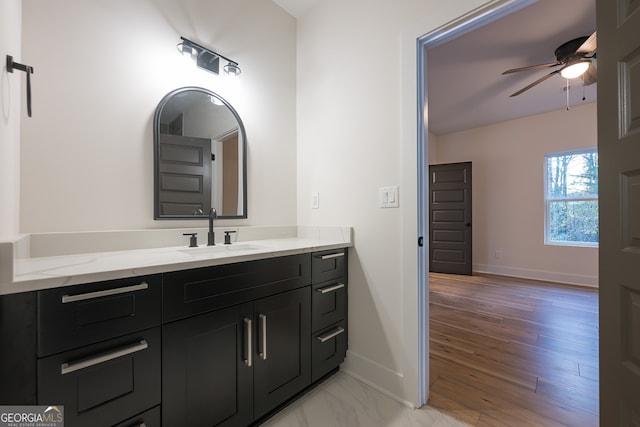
571, 198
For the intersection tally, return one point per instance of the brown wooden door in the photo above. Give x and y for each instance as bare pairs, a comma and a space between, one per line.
619, 176
230, 180
450, 218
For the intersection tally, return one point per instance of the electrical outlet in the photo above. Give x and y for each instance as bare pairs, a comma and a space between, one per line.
315, 200
498, 254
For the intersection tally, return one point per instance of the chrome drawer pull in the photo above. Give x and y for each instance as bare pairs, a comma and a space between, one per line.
247, 327
107, 292
330, 288
67, 368
329, 256
263, 327
332, 334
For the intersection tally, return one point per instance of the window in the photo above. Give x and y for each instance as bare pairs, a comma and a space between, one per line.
571, 198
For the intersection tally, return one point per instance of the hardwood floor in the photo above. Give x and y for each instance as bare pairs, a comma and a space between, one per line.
513, 352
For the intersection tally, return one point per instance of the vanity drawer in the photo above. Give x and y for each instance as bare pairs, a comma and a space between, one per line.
74, 316
328, 303
328, 349
102, 384
328, 265
150, 418
190, 292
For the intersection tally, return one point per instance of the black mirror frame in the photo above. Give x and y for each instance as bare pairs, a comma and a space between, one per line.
156, 156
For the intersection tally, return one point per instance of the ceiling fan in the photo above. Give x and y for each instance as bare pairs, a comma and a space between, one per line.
576, 57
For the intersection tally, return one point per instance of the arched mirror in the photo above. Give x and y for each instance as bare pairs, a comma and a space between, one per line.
200, 157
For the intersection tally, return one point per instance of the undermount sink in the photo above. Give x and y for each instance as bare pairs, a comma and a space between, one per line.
235, 247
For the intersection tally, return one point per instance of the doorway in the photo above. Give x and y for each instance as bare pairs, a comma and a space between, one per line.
465, 24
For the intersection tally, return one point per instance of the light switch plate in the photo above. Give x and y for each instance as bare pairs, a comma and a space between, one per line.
388, 197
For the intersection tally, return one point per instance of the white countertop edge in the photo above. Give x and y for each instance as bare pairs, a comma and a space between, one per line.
56, 271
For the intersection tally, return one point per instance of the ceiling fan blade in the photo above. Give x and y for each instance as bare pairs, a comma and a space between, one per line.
532, 67
540, 80
590, 45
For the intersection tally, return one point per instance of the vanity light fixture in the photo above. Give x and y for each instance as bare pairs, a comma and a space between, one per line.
206, 58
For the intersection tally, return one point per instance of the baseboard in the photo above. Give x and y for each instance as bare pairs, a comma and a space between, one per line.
376, 376
549, 276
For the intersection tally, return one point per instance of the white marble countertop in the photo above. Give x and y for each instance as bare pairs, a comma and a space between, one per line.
43, 272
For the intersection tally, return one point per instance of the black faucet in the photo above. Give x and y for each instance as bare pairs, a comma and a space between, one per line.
211, 235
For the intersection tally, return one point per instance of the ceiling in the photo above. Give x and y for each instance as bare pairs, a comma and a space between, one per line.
465, 85
295, 8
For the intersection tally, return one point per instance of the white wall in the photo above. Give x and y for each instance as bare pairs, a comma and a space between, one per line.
11, 93
101, 67
508, 193
357, 132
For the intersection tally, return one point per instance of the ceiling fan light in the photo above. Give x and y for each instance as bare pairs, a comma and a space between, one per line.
574, 70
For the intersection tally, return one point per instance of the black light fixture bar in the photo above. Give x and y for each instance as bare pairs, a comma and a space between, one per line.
208, 59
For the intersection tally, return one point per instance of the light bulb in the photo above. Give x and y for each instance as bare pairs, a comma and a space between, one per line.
188, 52
574, 70
232, 69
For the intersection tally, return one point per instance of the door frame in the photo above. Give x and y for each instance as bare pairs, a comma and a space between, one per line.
483, 15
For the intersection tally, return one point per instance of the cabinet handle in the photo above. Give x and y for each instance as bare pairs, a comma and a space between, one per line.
326, 337
329, 256
263, 327
247, 333
330, 288
107, 292
67, 368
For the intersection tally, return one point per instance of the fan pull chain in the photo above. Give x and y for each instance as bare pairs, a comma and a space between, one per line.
567, 94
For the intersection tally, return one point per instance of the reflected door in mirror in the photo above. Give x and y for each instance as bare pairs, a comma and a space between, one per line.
185, 175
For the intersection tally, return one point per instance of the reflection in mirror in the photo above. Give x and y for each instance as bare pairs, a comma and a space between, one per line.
200, 157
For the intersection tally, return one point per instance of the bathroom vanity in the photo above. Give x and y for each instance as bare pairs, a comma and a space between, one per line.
213, 341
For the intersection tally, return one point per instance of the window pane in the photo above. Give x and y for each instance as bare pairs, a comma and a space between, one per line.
573, 221
573, 175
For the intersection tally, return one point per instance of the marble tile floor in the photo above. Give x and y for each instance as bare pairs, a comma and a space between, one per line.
343, 401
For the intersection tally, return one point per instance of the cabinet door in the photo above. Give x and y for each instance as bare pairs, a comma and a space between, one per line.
207, 380
283, 348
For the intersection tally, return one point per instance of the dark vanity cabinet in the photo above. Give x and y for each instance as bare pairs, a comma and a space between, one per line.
282, 366
99, 351
329, 311
215, 346
237, 340
206, 379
